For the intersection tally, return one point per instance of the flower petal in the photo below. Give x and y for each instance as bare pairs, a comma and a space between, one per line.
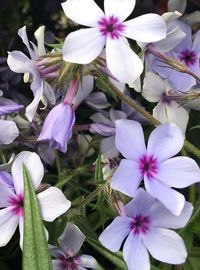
77, 11
165, 141
18, 62
53, 203
162, 218
108, 148
8, 131
23, 35
179, 172
31, 161
129, 139
171, 199
83, 46
87, 261
56, 252
113, 236
165, 245
119, 8
8, 225
39, 35
195, 45
57, 265
127, 177
146, 28
97, 101
71, 239
6, 195
122, 61
135, 253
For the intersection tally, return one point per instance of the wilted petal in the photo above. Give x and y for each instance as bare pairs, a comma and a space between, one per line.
31, 161
165, 141
145, 28
77, 11
165, 245
125, 71
135, 253
83, 46
129, 139
113, 236
53, 203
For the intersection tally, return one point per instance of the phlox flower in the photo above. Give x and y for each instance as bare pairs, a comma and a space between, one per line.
66, 257
153, 163
145, 228
8, 131
8, 106
20, 63
110, 30
155, 89
52, 201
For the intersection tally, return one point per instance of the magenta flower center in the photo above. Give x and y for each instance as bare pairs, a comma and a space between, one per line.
17, 204
111, 27
188, 57
68, 263
140, 224
148, 166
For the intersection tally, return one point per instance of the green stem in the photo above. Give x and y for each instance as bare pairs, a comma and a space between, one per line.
58, 165
90, 197
192, 194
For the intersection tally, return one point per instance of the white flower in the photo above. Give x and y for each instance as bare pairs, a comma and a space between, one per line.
52, 201
109, 29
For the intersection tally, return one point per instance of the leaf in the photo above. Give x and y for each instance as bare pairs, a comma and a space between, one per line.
103, 83
98, 170
36, 254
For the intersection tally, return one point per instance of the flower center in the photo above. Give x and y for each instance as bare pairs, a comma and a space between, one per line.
188, 57
17, 204
68, 263
111, 27
140, 224
148, 166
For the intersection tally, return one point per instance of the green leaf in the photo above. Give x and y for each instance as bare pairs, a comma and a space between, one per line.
35, 247
98, 170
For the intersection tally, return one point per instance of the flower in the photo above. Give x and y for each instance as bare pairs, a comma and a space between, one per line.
109, 29
146, 226
8, 106
154, 163
20, 63
57, 127
167, 110
66, 256
9, 131
52, 201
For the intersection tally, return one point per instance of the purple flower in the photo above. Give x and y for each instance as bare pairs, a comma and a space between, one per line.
145, 226
153, 163
8, 106
58, 126
66, 256
6, 179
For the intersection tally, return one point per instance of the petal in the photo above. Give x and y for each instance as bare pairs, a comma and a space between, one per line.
119, 8
171, 199
31, 161
159, 112
32, 107
153, 87
196, 42
135, 253
77, 11
6, 195
127, 177
23, 35
162, 218
122, 61
179, 172
56, 252
57, 265
87, 261
102, 129
53, 203
146, 28
39, 35
21, 231
8, 225
108, 148
113, 236
49, 93
83, 46
97, 101
181, 81
179, 5
71, 239
116, 114
8, 106
165, 245
18, 62
165, 141
8, 131
129, 139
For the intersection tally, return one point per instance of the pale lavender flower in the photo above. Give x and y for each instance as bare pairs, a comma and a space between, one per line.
168, 110
186, 52
20, 63
145, 228
8, 131
6, 179
57, 127
153, 163
66, 256
109, 29
52, 201
8, 106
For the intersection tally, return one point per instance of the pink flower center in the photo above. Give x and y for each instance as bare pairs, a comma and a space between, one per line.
17, 204
188, 57
140, 224
148, 166
111, 27
68, 263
